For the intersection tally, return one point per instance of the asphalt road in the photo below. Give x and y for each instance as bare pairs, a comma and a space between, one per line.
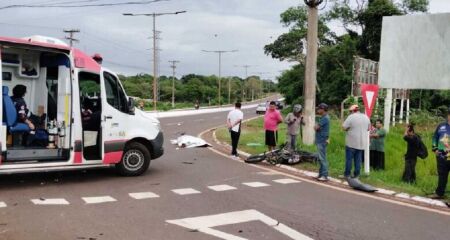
271, 211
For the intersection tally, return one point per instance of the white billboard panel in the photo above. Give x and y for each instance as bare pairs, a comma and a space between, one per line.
415, 52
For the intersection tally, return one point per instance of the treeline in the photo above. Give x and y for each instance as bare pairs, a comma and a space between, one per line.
193, 87
361, 22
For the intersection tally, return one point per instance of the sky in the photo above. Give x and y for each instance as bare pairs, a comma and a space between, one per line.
243, 25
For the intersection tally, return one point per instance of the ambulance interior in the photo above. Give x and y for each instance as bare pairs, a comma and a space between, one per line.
47, 78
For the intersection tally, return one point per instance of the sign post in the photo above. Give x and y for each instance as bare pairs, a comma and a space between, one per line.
369, 93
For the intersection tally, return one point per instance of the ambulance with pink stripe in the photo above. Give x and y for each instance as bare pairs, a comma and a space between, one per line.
61, 110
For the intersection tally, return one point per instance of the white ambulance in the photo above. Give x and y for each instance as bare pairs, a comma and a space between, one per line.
61, 110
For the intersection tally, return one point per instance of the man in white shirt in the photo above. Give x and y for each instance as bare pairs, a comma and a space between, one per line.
357, 126
234, 121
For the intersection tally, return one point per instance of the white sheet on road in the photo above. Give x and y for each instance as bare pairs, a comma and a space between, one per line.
187, 141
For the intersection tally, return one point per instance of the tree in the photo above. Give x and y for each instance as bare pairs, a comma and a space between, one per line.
290, 46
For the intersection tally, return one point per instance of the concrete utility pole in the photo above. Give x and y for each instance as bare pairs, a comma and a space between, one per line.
71, 36
220, 52
311, 71
173, 66
261, 82
155, 63
246, 76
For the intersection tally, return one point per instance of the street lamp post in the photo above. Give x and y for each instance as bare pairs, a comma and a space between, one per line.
220, 52
155, 77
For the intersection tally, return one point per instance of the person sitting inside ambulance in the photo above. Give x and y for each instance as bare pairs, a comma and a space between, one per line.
23, 113
90, 117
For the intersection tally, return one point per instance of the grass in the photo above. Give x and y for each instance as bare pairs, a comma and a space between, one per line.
395, 148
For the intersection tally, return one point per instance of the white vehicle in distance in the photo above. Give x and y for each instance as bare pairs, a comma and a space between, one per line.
261, 108
82, 117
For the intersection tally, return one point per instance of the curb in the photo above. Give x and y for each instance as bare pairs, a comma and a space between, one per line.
309, 174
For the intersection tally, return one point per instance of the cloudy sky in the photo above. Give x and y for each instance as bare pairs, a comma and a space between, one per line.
245, 25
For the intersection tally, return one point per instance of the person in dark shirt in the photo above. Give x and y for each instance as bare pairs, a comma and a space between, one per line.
409, 175
441, 147
23, 113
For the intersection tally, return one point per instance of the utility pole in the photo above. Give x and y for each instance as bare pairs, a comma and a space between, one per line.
246, 76
261, 82
311, 71
71, 36
173, 66
220, 52
155, 64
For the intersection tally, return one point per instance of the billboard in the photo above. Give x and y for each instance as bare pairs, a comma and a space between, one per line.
415, 52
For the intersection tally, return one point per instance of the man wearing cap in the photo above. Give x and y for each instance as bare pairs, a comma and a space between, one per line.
357, 126
441, 146
322, 140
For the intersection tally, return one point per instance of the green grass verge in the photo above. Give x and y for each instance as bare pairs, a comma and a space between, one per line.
395, 147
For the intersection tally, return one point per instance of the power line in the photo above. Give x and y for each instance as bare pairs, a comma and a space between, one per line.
80, 6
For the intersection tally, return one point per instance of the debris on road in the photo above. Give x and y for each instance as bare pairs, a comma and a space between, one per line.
187, 141
358, 185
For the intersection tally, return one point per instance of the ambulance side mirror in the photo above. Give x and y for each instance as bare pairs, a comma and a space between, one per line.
131, 106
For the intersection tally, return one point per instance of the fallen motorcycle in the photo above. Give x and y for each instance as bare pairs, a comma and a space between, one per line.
283, 155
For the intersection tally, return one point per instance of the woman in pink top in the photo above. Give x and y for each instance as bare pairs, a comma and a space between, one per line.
271, 121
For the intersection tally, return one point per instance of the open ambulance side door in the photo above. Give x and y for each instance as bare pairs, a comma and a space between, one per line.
3, 126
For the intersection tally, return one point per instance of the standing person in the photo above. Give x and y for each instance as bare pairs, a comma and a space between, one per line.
377, 146
356, 126
234, 121
441, 146
410, 136
322, 140
294, 120
271, 120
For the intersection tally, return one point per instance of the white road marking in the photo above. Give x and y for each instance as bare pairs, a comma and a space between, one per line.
268, 173
185, 191
286, 181
205, 224
50, 201
403, 195
101, 199
2, 205
384, 191
143, 195
220, 188
256, 184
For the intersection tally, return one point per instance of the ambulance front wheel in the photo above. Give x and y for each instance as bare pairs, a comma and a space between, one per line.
135, 160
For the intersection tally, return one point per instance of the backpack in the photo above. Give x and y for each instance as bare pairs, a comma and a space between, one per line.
422, 151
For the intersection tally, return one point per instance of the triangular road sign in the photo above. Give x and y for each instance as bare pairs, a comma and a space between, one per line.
369, 93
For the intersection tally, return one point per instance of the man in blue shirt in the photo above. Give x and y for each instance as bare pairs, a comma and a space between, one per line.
322, 140
441, 146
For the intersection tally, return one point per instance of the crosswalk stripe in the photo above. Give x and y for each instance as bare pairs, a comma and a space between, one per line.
100, 199
143, 195
50, 201
256, 184
185, 191
2, 205
286, 181
220, 188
